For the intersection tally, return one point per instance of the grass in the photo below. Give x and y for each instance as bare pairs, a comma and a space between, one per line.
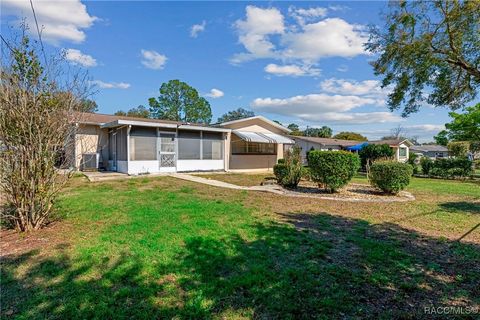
166, 248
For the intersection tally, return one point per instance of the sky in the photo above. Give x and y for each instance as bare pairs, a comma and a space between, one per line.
295, 62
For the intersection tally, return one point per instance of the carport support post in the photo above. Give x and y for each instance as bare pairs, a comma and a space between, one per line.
128, 146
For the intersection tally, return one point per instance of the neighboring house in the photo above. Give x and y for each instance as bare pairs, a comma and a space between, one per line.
432, 151
137, 145
307, 144
401, 148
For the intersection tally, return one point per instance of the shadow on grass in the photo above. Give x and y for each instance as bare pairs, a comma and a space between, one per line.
462, 206
310, 266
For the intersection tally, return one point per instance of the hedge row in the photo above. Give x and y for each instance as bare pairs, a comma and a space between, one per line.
447, 167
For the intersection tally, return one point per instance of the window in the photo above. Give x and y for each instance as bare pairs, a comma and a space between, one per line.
243, 147
143, 143
212, 146
403, 152
189, 145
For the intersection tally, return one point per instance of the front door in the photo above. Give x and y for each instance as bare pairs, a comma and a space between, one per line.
167, 150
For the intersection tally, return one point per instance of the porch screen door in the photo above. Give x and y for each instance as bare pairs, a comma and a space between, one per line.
167, 150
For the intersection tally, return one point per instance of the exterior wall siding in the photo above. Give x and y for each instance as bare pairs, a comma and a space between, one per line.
91, 139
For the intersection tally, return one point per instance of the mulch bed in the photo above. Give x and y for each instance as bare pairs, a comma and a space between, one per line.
352, 192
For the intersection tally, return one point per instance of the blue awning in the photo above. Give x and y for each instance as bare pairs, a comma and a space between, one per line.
357, 147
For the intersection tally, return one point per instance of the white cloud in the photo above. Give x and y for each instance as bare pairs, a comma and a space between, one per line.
357, 117
342, 86
153, 60
305, 41
307, 105
342, 68
291, 70
255, 30
59, 20
215, 93
77, 57
332, 37
324, 108
110, 85
366, 88
302, 15
197, 28
426, 128
424, 132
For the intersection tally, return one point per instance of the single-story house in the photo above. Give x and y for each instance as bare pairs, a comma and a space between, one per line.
400, 147
307, 144
137, 145
432, 151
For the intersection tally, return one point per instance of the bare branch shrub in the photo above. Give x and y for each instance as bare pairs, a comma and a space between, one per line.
38, 104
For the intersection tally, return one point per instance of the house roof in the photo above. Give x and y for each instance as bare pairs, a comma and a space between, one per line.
112, 121
429, 147
99, 119
328, 141
393, 142
262, 118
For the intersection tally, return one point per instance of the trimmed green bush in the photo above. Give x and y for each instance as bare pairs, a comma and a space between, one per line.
288, 171
390, 176
426, 164
332, 169
372, 152
451, 168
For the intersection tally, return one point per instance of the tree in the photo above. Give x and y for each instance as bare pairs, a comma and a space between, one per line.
180, 102
441, 138
138, 112
38, 104
400, 133
323, 132
372, 152
293, 127
458, 148
236, 114
87, 105
465, 126
348, 135
429, 51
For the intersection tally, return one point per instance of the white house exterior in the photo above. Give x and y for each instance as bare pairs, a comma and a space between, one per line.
140, 146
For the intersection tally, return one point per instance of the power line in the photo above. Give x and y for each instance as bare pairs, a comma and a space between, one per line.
39, 33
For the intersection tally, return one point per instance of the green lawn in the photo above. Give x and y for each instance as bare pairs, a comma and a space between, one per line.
164, 248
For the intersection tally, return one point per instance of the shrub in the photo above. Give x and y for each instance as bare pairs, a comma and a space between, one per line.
451, 167
390, 176
306, 173
412, 160
289, 171
372, 152
458, 148
426, 164
332, 169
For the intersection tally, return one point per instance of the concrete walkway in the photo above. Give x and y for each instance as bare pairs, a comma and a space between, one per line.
222, 184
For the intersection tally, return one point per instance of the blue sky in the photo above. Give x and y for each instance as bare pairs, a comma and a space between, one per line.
299, 62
